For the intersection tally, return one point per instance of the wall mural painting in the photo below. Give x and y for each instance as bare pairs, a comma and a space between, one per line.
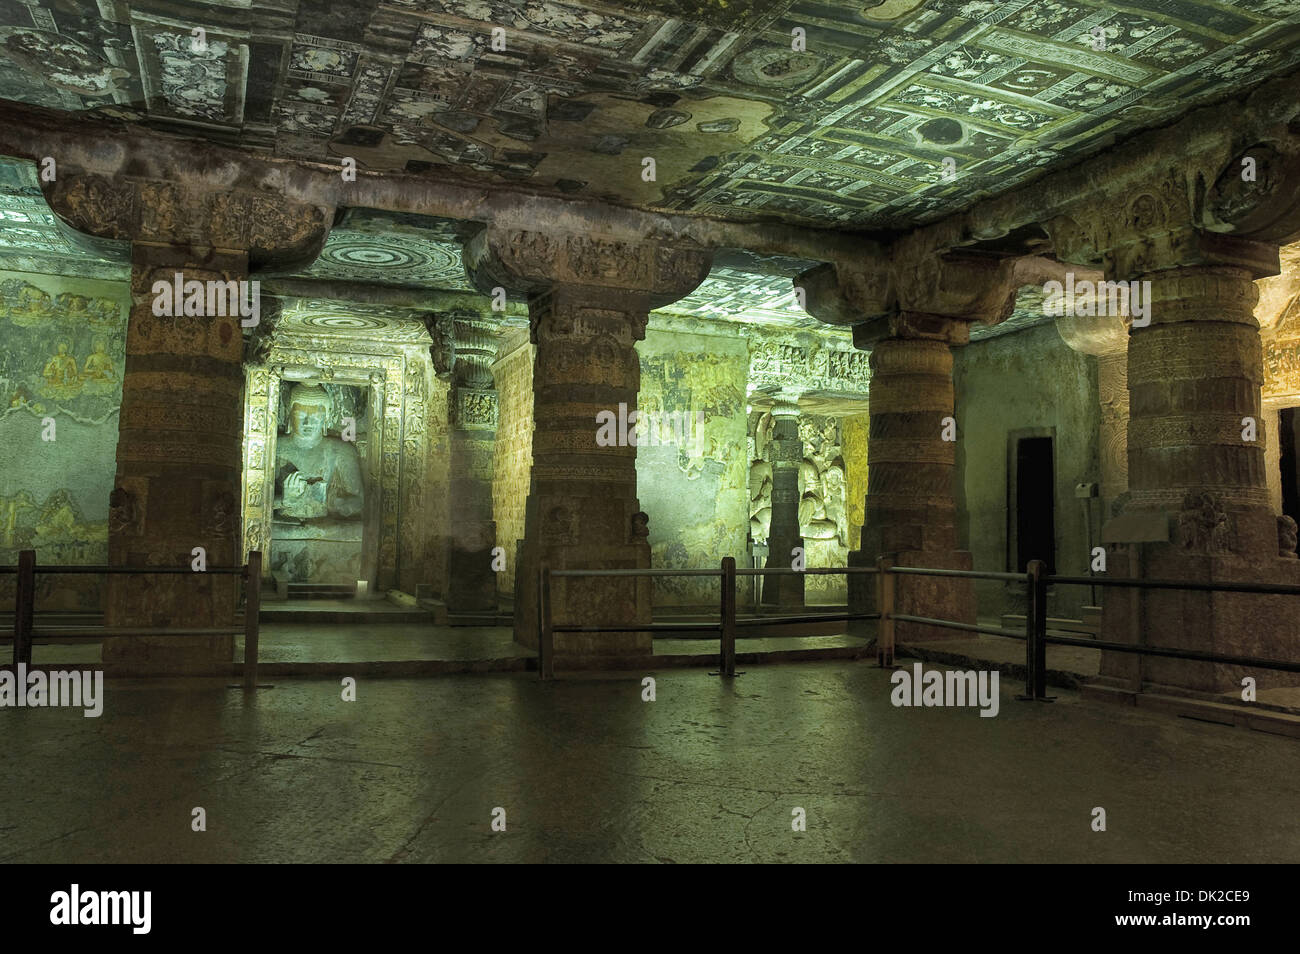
64, 352
62, 360
690, 471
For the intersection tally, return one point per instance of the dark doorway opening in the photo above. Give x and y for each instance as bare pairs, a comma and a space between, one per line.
1288, 438
1035, 503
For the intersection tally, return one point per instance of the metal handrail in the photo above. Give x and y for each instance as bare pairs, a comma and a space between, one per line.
1278, 589
966, 627
25, 607
726, 627
960, 574
1035, 635
55, 569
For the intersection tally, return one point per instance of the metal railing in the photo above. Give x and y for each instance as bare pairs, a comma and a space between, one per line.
1035, 633
25, 606
726, 626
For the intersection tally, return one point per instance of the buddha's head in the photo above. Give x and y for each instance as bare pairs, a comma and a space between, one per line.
308, 407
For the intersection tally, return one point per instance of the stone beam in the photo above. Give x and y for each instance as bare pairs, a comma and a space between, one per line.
113, 148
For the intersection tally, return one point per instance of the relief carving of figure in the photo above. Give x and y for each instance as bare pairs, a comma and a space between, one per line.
1203, 524
316, 476
1286, 537
121, 511
760, 503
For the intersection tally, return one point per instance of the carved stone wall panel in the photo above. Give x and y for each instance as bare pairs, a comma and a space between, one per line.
778, 360
1281, 368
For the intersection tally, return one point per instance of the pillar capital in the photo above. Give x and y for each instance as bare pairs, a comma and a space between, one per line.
257, 340
463, 347
271, 229
911, 295
1173, 219
647, 274
785, 403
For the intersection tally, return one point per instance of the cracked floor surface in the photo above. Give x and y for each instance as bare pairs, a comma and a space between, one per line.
588, 772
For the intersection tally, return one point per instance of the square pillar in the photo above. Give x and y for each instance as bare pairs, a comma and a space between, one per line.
784, 591
178, 459
470, 582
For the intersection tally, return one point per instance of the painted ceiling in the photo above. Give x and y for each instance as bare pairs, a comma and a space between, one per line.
830, 113
851, 131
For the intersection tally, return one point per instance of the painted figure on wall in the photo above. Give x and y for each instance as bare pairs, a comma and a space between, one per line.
316, 475
98, 366
60, 373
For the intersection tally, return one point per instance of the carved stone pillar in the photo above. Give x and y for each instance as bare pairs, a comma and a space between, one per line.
785, 453
589, 300
1198, 507
181, 424
178, 457
1194, 379
470, 582
922, 307
911, 512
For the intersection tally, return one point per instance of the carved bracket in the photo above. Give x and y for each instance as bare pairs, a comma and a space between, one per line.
531, 262
911, 295
275, 231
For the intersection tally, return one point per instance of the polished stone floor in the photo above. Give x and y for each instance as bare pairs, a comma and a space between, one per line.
587, 771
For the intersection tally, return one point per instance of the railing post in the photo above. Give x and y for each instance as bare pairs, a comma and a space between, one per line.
885, 606
1036, 632
727, 664
24, 607
545, 635
252, 612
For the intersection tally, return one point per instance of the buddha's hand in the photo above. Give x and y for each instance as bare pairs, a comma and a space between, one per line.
295, 485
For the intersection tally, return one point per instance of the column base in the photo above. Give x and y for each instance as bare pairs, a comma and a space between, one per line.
1249, 624
471, 581
783, 591
589, 601
170, 655
197, 601
937, 597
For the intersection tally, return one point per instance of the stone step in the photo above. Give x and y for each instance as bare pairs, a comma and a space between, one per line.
320, 591
349, 616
